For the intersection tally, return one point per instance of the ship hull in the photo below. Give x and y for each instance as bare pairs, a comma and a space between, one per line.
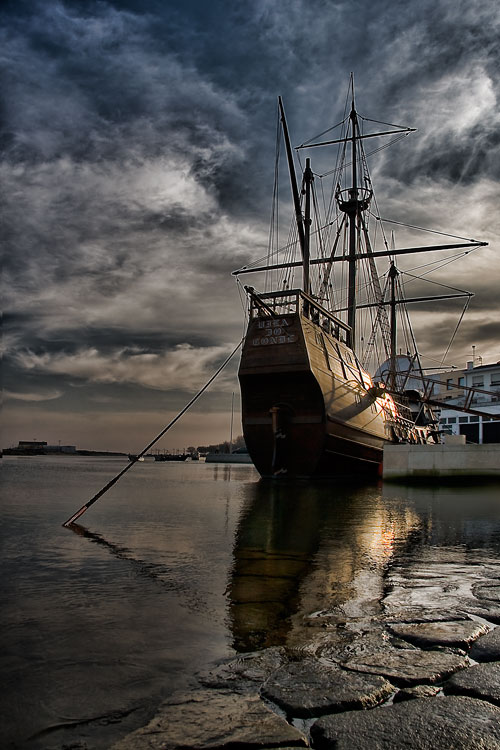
308, 409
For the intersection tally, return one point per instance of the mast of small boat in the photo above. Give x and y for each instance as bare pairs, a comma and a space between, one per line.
231, 431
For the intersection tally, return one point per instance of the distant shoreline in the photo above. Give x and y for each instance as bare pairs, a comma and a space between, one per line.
41, 452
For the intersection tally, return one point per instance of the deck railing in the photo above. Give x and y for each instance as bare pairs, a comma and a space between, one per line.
292, 302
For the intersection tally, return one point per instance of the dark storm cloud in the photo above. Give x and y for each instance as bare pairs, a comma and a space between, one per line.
479, 331
138, 146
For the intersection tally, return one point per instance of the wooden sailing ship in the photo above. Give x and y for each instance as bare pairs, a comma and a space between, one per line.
310, 408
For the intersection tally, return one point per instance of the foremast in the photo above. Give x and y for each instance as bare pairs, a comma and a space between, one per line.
303, 222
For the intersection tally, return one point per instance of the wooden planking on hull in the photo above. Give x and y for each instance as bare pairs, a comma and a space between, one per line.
305, 405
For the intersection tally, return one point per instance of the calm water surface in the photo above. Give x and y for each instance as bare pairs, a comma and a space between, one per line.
181, 565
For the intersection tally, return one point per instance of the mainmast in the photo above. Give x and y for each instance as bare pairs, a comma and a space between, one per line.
352, 213
353, 201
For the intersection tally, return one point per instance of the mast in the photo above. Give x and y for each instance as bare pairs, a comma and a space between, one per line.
352, 213
352, 202
231, 432
296, 200
308, 178
393, 274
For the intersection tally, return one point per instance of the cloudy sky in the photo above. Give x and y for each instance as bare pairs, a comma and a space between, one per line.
137, 169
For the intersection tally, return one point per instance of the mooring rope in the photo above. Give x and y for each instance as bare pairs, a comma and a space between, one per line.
113, 481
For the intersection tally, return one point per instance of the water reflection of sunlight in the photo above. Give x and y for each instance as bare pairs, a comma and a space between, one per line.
387, 532
380, 540
228, 472
302, 551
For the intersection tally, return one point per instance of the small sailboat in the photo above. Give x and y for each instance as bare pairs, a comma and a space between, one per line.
310, 405
236, 456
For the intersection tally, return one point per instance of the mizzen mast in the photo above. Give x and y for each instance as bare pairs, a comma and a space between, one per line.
393, 274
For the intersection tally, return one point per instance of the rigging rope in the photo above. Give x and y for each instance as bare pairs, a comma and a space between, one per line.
274, 224
430, 281
422, 229
113, 481
455, 331
443, 261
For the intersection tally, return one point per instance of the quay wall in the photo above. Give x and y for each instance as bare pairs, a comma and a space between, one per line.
432, 461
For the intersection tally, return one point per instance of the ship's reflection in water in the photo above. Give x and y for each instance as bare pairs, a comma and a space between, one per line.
304, 550
301, 548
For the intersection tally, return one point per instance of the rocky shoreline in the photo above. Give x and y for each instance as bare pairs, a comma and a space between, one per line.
422, 672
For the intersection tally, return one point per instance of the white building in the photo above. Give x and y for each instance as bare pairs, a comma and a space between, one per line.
476, 428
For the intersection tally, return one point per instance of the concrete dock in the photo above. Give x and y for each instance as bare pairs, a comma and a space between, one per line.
451, 460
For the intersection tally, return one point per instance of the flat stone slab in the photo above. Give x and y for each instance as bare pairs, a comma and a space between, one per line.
411, 616
487, 591
353, 645
439, 724
444, 583
246, 671
309, 688
209, 719
419, 691
480, 681
487, 648
409, 666
485, 608
457, 633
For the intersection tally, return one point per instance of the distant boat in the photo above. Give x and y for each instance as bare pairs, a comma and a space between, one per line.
133, 457
239, 456
172, 456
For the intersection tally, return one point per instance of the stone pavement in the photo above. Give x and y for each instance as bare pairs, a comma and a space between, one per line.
425, 674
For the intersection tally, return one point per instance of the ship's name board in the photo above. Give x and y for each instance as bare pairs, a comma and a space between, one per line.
274, 331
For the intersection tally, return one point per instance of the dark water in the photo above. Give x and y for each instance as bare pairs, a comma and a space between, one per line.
180, 565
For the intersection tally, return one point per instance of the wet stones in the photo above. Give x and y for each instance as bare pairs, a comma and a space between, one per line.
450, 722
480, 681
246, 672
309, 688
395, 658
457, 633
487, 599
410, 666
419, 691
488, 591
487, 648
209, 719
413, 652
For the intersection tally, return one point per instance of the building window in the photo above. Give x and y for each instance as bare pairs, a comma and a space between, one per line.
478, 380
461, 381
495, 379
449, 384
452, 420
474, 419
462, 420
